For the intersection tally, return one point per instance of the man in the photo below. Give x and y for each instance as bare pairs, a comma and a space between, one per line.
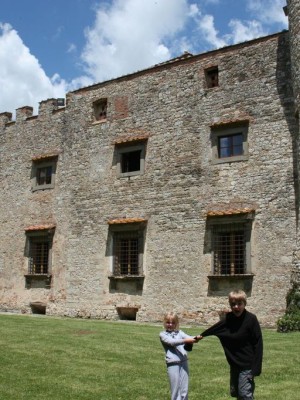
240, 335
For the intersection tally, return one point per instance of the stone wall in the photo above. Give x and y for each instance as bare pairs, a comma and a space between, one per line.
172, 107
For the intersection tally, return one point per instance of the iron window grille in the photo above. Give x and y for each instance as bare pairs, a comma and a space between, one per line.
39, 253
127, 253
229, 249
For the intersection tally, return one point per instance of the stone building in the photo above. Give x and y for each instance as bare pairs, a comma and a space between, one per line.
163, 189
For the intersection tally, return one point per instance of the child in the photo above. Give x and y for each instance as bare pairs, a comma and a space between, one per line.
174, 341
241, 338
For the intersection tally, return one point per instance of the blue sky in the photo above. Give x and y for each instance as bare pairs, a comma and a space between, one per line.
50, 47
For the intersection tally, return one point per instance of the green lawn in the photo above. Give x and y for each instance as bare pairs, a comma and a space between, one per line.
52, 358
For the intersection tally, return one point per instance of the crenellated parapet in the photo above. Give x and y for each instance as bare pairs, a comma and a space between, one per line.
25, 113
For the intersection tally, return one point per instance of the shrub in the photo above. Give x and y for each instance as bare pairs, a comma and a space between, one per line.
291, 320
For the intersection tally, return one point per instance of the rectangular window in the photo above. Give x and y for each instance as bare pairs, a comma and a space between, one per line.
127, 240
230, 244
43, 174
126, 254
39, 256
230, 146
229, 143
130, 160
100, 110
212, 77
229, 248
39, 246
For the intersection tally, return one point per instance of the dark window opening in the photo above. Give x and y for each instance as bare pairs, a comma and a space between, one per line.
212, 77
44, 175
131, 161
100, 110
229, 246
230, 146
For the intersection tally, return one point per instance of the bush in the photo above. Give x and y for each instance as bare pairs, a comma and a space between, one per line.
291, 320
289, 323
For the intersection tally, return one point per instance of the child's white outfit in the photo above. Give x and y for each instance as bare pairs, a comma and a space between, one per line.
177, 363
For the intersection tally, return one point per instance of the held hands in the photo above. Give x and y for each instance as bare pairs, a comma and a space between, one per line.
197, 338
190, 341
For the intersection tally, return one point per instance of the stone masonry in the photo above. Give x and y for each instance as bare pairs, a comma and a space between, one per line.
171, 111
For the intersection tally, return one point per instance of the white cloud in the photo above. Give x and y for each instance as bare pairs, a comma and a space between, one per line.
266, 13
209, 32
132, 35
244, 31
269, 11
23, 82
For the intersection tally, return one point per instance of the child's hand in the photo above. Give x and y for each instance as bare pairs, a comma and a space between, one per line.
197, 338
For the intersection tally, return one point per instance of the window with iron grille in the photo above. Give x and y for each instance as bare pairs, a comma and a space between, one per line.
231, 248
39, 252
230, 245
229, 143
130, 159
128, 253
39, 257
43, 174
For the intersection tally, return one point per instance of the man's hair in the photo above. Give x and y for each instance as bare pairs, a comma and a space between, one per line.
238, 295
173, 317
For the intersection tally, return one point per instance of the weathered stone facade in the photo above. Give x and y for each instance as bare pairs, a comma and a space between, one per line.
170, 111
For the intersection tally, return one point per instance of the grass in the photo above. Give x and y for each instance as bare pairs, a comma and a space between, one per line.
51, 358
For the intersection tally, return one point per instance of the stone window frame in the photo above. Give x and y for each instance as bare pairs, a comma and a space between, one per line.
226, 131
100, 110
233, 223
38, 164
125, 149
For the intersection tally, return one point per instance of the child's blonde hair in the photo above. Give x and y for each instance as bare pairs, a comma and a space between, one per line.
237, 295
173, 317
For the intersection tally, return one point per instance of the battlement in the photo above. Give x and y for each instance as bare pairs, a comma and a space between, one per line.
25, 113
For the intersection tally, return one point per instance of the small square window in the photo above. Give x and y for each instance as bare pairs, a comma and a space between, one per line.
100, 110
212, 77
43, 174
130, 160
229, 144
